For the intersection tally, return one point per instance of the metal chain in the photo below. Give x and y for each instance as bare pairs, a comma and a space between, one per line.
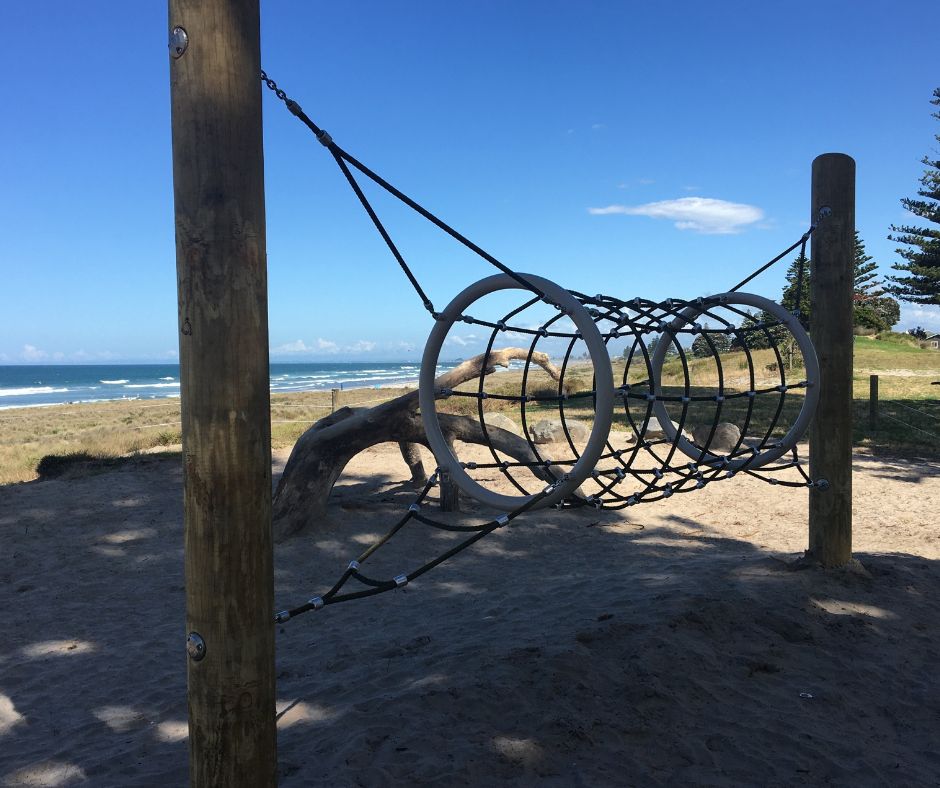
273, 86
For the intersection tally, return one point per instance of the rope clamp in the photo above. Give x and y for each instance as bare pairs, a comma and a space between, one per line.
353, 566
502, 520
279, 618
316, 602
414, 508
401, 580
325, 139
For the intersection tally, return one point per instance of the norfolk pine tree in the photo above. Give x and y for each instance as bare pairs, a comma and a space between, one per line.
920, 283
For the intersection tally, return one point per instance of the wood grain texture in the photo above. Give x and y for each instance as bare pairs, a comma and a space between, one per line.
218, 179
831, 290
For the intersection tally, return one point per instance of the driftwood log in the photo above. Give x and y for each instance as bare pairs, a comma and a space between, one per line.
323, 451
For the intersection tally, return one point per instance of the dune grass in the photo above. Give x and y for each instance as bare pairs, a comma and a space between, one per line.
908, 422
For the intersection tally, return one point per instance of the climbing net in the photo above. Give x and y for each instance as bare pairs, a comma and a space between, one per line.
651, 398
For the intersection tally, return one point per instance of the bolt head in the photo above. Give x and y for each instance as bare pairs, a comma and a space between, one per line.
195, 646
179, 42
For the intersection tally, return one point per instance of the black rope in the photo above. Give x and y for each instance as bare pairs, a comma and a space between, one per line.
343, 158
801, 243
631, 320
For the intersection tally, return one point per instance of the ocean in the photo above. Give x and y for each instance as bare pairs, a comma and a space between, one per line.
35, 385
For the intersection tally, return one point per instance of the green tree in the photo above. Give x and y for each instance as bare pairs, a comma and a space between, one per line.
759, 331
872, 308
877, 312
866, 282
702, 349
919, 282
654, 342
796, 293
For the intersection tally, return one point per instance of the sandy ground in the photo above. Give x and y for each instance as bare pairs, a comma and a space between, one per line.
670, 645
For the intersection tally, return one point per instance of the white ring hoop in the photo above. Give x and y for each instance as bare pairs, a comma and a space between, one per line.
799, 426
603, 400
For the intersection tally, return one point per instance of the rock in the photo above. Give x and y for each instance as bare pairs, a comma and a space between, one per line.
551, 431
619, 438
654, 430
503, 422
726, 436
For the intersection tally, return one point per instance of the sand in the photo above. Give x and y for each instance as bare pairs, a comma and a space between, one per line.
670, 645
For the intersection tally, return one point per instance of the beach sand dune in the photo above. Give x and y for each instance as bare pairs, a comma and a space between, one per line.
668, 645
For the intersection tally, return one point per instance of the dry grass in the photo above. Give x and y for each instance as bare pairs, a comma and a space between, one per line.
909, 408
116, 429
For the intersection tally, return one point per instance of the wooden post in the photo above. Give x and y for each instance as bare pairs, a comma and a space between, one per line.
450, 492
334, 400
873, 402
831, 288
218, 187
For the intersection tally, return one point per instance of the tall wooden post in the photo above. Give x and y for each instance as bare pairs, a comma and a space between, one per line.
873, 402
218, 182
831, 291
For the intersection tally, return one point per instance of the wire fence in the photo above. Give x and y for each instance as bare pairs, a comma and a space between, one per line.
892, 408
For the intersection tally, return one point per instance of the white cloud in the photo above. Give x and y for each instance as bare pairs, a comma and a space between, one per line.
925, 317
462, 341
700, 214
297, 346
329, 347
84, 356
32, 353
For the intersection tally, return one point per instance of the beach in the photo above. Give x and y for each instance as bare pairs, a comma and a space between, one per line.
670, 644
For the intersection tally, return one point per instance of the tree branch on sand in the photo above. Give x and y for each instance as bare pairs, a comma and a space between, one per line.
323, 451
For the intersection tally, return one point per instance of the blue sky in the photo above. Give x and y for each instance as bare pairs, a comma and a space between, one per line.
512, 121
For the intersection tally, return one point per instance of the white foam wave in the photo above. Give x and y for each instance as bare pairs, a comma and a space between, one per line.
161, 379
114, 382
152, 385
25, 392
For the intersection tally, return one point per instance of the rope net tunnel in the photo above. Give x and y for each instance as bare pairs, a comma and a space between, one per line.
699, 391
610, 402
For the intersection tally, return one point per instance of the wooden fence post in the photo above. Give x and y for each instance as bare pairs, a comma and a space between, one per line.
218, 188
873, 402
831, 290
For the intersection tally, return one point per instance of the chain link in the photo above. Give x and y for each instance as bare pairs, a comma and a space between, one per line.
273, 86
